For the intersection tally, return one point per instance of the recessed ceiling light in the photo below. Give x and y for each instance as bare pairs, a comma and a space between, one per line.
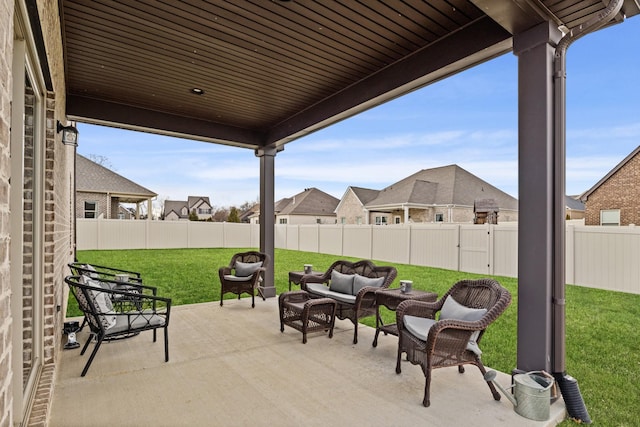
197, 91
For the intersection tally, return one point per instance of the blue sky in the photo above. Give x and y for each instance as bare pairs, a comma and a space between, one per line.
469, 119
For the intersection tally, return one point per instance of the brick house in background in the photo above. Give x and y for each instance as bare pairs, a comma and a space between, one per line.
100, 192
312, 206
615, 199
179, 210
442, 194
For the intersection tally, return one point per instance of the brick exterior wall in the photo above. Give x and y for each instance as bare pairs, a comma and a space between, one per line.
621, 191
6, 348
56, 220
351, 210
102, 202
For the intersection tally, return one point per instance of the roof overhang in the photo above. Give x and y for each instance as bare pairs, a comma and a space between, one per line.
269, 72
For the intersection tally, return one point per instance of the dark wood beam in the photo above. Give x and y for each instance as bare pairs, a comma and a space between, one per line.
89, 110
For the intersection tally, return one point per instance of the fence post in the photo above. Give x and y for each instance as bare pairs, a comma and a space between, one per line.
490, 248
570, 259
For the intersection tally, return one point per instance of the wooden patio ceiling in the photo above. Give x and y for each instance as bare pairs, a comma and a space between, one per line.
272, 71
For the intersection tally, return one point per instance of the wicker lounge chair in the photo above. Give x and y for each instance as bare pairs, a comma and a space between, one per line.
465, 312
243, 275
113, 313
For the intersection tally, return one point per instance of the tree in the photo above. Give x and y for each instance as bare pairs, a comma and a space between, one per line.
220, 214
101, 160
193, 216
233, 215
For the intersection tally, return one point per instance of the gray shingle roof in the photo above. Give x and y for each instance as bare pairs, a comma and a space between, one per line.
446, 185
573, 203
92, 177
365, 195
175, 206
310, 202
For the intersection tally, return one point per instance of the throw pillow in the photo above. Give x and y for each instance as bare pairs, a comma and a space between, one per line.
360, 282
452, 309
341, 282
103, 305
92, 270
247, 268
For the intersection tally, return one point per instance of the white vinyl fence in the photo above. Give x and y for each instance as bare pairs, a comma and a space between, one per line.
599, 257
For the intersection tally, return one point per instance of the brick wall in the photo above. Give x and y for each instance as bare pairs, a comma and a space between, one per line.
101, 203
621, 191
6, 52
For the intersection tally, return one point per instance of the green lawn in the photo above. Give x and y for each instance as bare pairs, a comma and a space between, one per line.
603, 346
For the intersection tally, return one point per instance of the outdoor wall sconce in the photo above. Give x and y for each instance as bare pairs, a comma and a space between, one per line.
69, 134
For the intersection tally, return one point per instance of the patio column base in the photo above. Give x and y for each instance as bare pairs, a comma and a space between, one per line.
268, 291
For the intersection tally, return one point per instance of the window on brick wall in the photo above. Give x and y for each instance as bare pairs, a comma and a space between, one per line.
90, 209
610, 217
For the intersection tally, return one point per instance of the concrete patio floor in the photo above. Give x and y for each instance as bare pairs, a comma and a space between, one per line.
231, 366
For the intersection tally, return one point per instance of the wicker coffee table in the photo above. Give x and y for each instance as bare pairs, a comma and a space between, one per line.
391, 298
301, 312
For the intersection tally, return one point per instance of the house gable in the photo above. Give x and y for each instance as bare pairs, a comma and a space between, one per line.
617, 192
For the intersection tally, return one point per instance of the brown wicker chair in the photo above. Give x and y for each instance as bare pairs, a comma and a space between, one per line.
364, 303
243, 275
440, 343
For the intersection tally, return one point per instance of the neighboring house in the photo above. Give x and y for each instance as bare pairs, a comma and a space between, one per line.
251, 215
178, 210
312, 206
615, 199
443, 194
574, 207
100, 192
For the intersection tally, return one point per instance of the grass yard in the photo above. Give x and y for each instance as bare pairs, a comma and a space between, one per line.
602, 345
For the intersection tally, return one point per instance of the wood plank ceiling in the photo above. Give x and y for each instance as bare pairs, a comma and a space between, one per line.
272, 71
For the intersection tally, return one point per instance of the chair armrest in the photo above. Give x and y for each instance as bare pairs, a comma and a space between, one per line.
137, 287
135, 303
312, 278
223, 271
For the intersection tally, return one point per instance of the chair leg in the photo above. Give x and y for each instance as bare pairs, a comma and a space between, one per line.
425, 401
154, 335
93, 354
355, 333
166, 343
398, 368
84, 348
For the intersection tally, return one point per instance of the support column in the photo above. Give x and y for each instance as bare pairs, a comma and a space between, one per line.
267, 157
537, 181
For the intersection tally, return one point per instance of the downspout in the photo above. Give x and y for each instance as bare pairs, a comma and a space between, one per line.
568, 385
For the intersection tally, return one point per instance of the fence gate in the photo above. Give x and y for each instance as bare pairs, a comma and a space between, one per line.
474, 249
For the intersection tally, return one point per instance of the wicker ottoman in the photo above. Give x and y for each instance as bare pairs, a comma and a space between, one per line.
301, 312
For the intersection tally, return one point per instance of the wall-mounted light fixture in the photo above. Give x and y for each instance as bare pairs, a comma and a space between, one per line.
69, 134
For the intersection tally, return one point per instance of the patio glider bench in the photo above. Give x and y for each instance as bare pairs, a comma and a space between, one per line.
112, 313
352, 285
